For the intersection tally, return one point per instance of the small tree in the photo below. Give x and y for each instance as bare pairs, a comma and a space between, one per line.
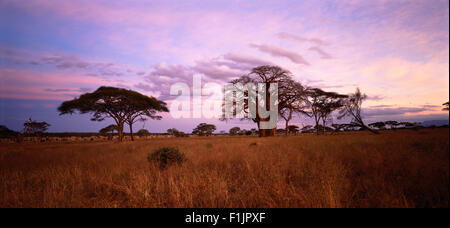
323, 104
176, 133
293, 129
234, 130
204, 129
143, 132
172, 131
352, 108
307, 129
108, 129
343, 127
32, 127
379, 125
392, 124
6, 132
409, 124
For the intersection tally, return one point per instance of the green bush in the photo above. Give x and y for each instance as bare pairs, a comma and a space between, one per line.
166, 156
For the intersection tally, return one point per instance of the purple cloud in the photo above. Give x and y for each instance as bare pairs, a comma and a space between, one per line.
375, 97
280, 52
316, 41
246, 59
377, 111
321, 52
145, 87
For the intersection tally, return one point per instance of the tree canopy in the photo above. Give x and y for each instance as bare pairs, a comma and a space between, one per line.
353, 108
323, 104
445, 106
266, 75
108, 129
204, 129
122, 105
32, 127
235, 130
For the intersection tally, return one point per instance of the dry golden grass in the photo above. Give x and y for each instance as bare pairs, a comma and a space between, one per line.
395, 169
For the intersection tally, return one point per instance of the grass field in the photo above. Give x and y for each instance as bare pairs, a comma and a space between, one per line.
402, 168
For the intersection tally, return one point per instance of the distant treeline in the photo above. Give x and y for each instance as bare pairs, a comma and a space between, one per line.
7, 133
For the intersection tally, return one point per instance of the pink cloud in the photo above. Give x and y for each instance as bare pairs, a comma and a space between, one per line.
280, 52
316, 41
321, 52
32, 84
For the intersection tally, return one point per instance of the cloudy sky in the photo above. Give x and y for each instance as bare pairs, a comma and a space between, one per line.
396, 51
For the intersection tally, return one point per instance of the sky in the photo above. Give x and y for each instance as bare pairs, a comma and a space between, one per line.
395, 51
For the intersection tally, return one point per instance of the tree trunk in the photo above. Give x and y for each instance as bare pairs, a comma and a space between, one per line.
287, 122
317, 125
267, 132
371, 130
131, 131
120, 131
287, 128
323, 125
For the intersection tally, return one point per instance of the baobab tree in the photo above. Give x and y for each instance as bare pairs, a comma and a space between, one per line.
265, 75
352, 108
116, 103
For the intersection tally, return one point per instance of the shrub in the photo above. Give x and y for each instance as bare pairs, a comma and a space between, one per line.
143, 132
209, 146
166, 156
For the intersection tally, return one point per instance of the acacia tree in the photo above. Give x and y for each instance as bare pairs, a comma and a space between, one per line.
343, 127
352, 108
32, 127
108, 129
235, 130
110, 102
293, 128
265, 75
143, 132
204, 129
330, 102
379, 125
292, 98
392, 124
445, 106
172, 131
323, 104
142, 107
409, 124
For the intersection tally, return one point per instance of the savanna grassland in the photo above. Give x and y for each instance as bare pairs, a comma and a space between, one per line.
402, 168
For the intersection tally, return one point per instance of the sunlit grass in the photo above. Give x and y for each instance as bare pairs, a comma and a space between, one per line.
395, 169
